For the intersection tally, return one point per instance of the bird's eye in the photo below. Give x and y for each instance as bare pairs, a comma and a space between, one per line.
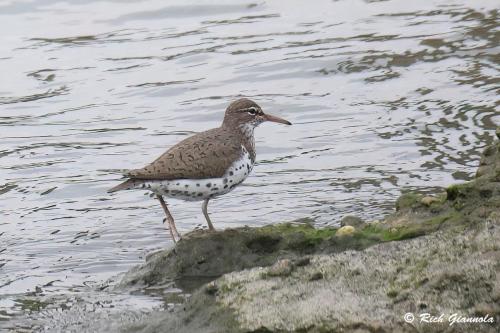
252, 111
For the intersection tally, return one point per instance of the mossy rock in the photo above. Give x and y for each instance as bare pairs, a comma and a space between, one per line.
409, 201
457, 191
202, 256
352, 221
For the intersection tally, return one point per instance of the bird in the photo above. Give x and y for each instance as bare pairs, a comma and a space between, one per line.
206, 165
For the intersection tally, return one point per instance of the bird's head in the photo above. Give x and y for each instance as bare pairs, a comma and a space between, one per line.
246, 114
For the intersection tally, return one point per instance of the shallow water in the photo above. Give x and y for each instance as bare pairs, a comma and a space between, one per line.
384, 96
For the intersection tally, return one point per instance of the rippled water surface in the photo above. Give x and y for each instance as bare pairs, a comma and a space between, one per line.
384, 96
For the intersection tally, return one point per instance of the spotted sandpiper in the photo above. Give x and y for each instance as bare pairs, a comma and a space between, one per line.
205, 165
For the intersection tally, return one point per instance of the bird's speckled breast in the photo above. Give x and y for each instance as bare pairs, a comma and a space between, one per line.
201, 189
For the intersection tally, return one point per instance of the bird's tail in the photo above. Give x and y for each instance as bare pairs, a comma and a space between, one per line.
126, 185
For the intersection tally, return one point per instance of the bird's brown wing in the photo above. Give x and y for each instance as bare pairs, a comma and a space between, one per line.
205, 155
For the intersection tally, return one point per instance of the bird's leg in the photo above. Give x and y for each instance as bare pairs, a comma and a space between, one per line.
169, 229
170, 219
204, 209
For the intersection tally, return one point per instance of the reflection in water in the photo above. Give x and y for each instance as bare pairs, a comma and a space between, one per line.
383, 96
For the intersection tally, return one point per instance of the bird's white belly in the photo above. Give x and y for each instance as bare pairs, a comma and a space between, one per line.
201, 189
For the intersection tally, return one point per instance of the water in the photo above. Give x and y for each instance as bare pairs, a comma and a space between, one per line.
383, 95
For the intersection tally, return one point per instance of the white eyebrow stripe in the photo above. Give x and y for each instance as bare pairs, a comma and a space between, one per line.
252, 108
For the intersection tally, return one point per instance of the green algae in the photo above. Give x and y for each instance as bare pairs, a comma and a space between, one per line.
392, 293
300, 236
307, 229
381, 232
369, 234
408, 200
457, 191
31, 304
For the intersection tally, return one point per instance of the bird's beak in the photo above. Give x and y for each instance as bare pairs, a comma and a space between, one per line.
270, 117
